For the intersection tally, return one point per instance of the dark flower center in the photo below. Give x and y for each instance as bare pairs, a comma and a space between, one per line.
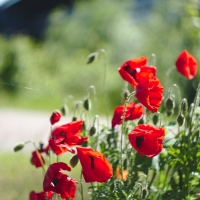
130, 71
139, 141
55, 182
92, 162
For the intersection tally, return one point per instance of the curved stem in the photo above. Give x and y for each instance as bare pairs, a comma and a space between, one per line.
170, 92
122, 130
96, 118
76, 107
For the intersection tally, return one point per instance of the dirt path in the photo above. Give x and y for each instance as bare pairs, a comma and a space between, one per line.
20, 126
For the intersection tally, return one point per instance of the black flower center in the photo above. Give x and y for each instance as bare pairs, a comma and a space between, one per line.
92, 162
139, 141
130, 71
55, 182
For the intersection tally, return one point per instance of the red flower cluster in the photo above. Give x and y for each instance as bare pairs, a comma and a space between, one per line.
133, 111
96, 167
65, 136
148, 88
186, 64
147, 139
56, 181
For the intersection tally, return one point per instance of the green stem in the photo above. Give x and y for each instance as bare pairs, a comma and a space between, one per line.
152, 179
122, 130
81, 181
196, 103
96, 118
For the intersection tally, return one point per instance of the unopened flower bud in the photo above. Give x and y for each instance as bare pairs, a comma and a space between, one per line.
92, 131
74, 118
87, 104
141, 121
155, 119
85, 144
74, 161
55, 117
91, 58
19, 146
169, 104
180, 119
169, 113
64, 110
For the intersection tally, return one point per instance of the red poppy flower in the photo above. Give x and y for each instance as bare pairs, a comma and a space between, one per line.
147, 139
59, 148
40, 196
186, 64
133, 111
56, 181
37, 158
95, 166
150, 93
55, 117
68, 133
130, 69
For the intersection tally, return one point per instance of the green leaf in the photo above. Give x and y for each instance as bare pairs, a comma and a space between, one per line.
169, 141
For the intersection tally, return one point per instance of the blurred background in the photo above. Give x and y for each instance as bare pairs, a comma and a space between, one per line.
43, 49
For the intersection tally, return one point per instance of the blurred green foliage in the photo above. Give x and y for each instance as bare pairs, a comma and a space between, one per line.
46, 71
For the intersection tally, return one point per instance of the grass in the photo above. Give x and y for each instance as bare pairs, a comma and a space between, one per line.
18, 177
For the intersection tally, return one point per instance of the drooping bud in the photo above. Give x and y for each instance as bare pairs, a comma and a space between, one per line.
19, 146
55, 117
74, 161
155, 119
180, 119
87, 104
92, 131
141, 120
91, 58
169, 113
184, 107
169, 104
85, 144
64, 110
74, 118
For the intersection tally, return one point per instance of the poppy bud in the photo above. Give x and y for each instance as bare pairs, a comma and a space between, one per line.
184, 106
19, 146
64, 110
55, 117
169, 104
85, 144
169, 113
92, 131
87, 104
74, 118
180, 119
188, 119
74, 161
91, 58
155, 119
141, 121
